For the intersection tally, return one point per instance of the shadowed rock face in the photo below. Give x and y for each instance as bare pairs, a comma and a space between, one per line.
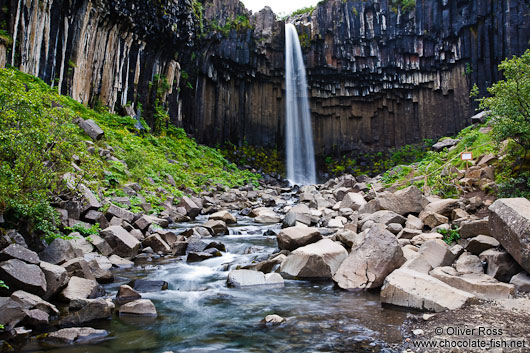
379, 77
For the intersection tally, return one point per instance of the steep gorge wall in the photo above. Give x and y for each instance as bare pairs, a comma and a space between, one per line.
379, 77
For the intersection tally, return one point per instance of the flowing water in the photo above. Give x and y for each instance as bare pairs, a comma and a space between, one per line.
199, 313
299, 135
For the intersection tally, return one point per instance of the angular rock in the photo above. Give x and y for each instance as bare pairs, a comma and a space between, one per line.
403, 202
140, 307
81, 245
500, 264
102, 275
468, 263
437, 253
371, 261
444, 207
36, 318
248, 278
12, 313
413, 289
521, 281
224, 216
100, 244
217, 227
91, 129
510, 224
353, 200
413, 222
56, 278
78, 267
90, 310
120, 262
319, 260
270, 265
385, 217
118, 212
76, 335
58, 251
81, 288
192, 209
273, 319
20, 275
143, 286
473, 228
122, 242
446, 143
481, 243
156, 243
478, 284
267, 216
15, 251
295, 237
32, 301
144, 222
433, 220
418, 240
126, 295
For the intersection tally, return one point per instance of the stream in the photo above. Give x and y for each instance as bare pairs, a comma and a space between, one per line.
199, 313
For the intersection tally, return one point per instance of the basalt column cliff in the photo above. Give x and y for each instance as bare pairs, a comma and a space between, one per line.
380, 75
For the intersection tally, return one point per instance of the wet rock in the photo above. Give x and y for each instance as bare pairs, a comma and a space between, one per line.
473, 228
192, 209
201, 256
510, 225
58, 251
468, 263
500, 264
102, 275
248, 278
295, 237
270, 265
120, 262
75, 335
196, 245
273, 320
56, 278
140, 307
156, 242
20, 275
15, 251
100, 244
12, 313
224, 216
478, 284
217, 227
413, 289
78, 267
122, 242
143, 286
314, 261
216, 245
81, 288
481, 243
353, 200
91, 129
371, 261
90, 310
521, 281
126, 295
31, 301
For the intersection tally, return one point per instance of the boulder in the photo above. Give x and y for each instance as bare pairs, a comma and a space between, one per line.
217, 227
143, 286
56, 278
479, 284
118, 212
126, 295
122, 242
353, 200
224, 216
299, 213
444, 207
432, 219
12, 313
248, 278
384, 217
468, 263
101, 274
32, 301
521, 281
403, 202
192, 209
78, 267
120, 262
75, 335
273, 320
418, 240
446, 143
510, 224
315, 261
474, 227
295, 237
143, 223
90, 310
155, 242
481, 243
500, 264
100, 244
92, 129
266, 216
81, 288
203, 255
36, 318
140, 307
371, 261
19, 275
269, 265
15, 251
81, 245
437, 253
413, 289
58, 251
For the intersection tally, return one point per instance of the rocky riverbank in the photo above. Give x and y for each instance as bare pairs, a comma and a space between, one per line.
349, 230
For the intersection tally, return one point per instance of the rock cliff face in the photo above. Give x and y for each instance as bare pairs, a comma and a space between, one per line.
379, 76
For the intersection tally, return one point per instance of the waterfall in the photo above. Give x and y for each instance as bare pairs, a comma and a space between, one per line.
299, 135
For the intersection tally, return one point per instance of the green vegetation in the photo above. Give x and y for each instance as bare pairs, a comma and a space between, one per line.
239, 23
406, 5
40, 142
81, 229
5, 37
305, 10
267, 160
305, 40
450, 236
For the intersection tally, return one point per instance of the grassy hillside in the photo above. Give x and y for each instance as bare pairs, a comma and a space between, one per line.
40, 141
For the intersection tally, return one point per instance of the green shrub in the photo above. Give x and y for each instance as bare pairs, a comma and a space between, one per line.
450, 235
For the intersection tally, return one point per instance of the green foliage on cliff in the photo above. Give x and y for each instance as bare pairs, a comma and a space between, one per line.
266, 160
40, 142
305, 10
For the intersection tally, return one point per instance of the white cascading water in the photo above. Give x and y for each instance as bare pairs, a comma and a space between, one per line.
299, 135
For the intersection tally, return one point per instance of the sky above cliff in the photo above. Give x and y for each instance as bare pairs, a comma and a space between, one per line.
280, 7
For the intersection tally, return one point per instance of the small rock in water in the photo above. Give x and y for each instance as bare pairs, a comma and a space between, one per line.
142, 285
417, 332
273, 319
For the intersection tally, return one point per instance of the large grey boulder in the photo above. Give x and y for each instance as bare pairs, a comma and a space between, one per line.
126, 295
91, 129
299, 213
58, 251
192, 209
474, 227
78, 267
15, 251
371, 261
295, 237
384, 217
437, 253
89, 310
468, 263
121, 241
143, 223
19, 275
521, 281
75, 335
118, 212
403, 202
31, 301
479, 284
81, 288
56, 278
480, 243
216, 227
140, 307
249, 278
100, 244
314, 261
444, 207
155, 242
446, 143
266, 216
353, 200
224, 216
510, 224
413, 289
12, 312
